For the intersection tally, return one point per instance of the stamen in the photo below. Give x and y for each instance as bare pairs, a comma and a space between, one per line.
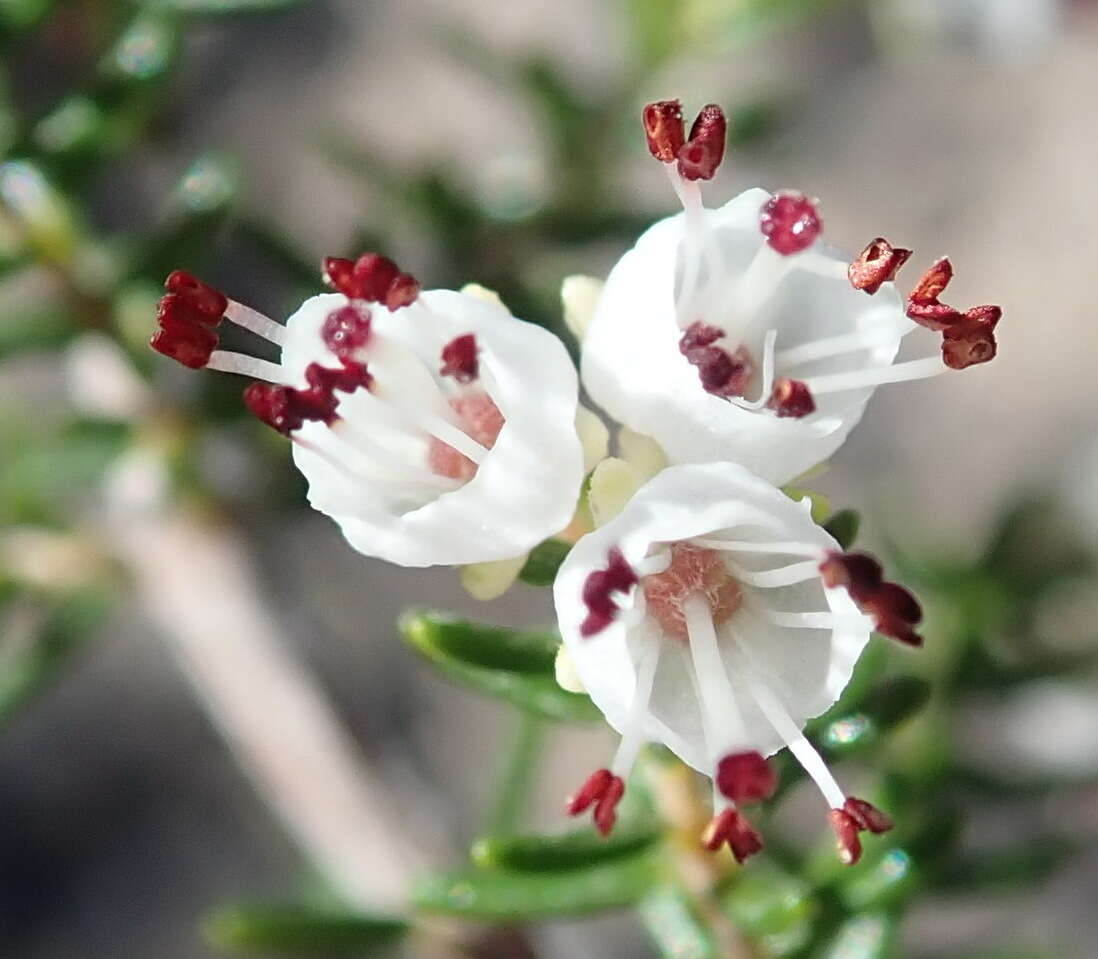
774, 578
722, 722
876, 265
876, 376
663, 127
598, 590
603, 790
459, 359
836, 346
791, 398
895, 612
255, 322
702, 154
632, 737
225, 361
730, 826
767, 385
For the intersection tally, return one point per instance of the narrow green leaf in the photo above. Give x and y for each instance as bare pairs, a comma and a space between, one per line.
477, 644
297, 930
844, 525
675, 926
503, 896
872, 936
767, 901
571, 850
544, 561
537, 692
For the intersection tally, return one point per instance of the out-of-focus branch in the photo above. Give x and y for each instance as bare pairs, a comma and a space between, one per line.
195, 579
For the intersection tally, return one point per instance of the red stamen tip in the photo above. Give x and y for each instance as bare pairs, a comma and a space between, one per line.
877, 264
372, 277
618, 577
746, 778
846, 836
187, 316
894, 610
346, 330
732, 828
603, 790
273, 404
663, 127
790, 222
701, 155
791, 398
459, 359
867, 816
721, 373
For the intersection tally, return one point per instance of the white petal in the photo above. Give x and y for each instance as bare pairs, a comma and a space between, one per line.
632, 366
594, 436
806, 668
525, 489
579, 296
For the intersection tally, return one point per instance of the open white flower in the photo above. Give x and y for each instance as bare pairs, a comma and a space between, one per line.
433, 427
712, 615
736, 334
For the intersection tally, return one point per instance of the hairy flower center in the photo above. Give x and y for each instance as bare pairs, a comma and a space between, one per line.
482, 421
693, 570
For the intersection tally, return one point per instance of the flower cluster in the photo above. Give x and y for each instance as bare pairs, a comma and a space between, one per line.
700, 606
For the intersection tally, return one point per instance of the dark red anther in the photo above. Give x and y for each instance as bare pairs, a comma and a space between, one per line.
603, 790
663, 127
177, 308
791, 398
877, 264
188, 343
933, 282
697, 336
274, 405
373, 275
701, 155
790, 222
923, 303
721, 373
402, 291
895, 613
746, 778
207, 301
971, 339
459, 359
846, 830
860, 573
732, 828
346, 330
867, 817
338, 273
618, 577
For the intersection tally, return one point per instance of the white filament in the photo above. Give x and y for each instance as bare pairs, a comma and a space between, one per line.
722, 721
782, 576
876, 376
255, 322
632, 737
225, 361
836, 345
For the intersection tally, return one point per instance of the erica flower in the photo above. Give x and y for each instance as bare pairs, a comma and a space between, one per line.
736, 334
712, 615
433, 427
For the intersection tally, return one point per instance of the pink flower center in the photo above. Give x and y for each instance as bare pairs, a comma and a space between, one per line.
693, 570
482, 420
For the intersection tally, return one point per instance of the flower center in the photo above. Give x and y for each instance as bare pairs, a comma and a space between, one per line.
694, 570
482, 421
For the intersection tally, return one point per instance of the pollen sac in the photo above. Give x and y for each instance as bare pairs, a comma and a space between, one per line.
618, 577
274, 405
860, 573
895, 612
187, 316
971, 340
791, 398
459, 359
732, 828
923, 303
603, 790
790, 222
867, 816
701, 155
373, 278
721, 373
663, 127
746, 778
876, 265
347, 329
846, 836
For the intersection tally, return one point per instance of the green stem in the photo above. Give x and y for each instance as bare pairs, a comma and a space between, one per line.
516, 777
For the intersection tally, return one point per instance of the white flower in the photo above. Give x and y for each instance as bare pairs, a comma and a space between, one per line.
712, 615
736, 334
433, 427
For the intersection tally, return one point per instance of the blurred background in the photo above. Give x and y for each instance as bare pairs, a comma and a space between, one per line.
203, 696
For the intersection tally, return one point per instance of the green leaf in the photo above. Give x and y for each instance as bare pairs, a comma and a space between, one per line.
544, 561
297, 930
821, 505
675, 926
871, 936
537, 692
568, 851
500, 896
477, 644
767, 901
843, 525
